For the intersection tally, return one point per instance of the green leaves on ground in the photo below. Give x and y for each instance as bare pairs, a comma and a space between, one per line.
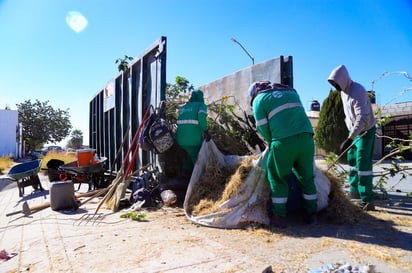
134, 216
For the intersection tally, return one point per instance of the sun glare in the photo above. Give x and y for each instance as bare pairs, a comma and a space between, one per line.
76, 21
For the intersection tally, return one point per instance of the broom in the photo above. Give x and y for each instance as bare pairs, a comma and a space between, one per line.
105, 190
118, 186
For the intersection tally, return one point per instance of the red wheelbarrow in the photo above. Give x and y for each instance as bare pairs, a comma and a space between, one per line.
93, 174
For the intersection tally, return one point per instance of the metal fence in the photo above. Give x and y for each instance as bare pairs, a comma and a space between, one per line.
118, 109
399, 127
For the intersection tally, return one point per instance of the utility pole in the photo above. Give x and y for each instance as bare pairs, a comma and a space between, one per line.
236, 41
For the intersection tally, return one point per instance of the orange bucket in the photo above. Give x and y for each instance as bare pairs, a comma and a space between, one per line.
85, 157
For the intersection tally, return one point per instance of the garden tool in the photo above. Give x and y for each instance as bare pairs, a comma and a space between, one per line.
122, 180
344, 152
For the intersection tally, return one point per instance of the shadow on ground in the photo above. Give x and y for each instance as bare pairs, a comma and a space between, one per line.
390, 225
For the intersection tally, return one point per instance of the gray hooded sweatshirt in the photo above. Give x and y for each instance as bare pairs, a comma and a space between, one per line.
356, 103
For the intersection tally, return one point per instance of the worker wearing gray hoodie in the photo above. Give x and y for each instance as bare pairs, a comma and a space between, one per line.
361, 123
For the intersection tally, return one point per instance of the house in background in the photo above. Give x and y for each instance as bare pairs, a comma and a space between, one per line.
10, 132
399, 126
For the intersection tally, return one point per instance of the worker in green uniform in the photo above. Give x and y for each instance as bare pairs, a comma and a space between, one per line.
192, 128
283, 123
361, 123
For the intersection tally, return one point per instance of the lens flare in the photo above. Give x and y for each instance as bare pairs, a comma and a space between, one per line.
76, 21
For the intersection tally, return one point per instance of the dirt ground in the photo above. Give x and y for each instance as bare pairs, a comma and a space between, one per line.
166, 241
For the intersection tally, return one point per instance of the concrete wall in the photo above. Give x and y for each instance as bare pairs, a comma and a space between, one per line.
397, 109
8, 127
237, 84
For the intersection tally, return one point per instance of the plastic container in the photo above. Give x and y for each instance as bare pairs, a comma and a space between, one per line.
85, 157
62, 196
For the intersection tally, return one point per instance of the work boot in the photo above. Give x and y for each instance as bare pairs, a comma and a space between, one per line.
311, 218
367, 206
277, 221
354, 195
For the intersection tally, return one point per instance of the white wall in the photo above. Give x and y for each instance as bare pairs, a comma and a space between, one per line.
8, 126
237, 84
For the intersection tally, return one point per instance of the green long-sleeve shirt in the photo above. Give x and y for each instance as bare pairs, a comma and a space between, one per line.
192, 121
280, 114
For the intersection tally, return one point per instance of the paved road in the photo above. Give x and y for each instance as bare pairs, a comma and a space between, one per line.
60, 241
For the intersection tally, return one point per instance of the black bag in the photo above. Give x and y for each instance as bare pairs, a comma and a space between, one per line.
156, 135
144, 138
161, 136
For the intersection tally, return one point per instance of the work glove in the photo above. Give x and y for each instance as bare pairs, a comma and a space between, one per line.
345, 145
207, 136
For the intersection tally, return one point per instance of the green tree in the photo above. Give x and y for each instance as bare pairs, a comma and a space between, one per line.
331, 129
42, 124
181, 85
175, 97
233, 134
76, 140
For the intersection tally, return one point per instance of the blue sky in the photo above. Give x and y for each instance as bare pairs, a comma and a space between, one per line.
43, 58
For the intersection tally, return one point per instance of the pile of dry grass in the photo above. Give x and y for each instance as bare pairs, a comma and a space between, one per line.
209, 188
235, 185
237, 179
5, 163
340, 209
218, 185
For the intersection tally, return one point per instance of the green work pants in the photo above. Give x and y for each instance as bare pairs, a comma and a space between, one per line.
192, 152
295, 153
360, 157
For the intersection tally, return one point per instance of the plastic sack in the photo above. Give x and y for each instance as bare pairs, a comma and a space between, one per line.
245, 207
160, 135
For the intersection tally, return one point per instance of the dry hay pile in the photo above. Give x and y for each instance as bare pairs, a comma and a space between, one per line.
238, 178
209, 187
340, 209
218, 185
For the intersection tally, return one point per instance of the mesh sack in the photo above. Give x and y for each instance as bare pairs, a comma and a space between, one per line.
160, 136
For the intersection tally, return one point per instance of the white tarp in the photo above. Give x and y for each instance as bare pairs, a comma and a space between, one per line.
245, 207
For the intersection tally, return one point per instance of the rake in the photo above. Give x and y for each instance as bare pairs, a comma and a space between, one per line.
118, 186
339, 157
90, 218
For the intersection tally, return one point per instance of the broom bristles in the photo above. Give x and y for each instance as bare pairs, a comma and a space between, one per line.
118, 194
112, 188
114, 201
118, 189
